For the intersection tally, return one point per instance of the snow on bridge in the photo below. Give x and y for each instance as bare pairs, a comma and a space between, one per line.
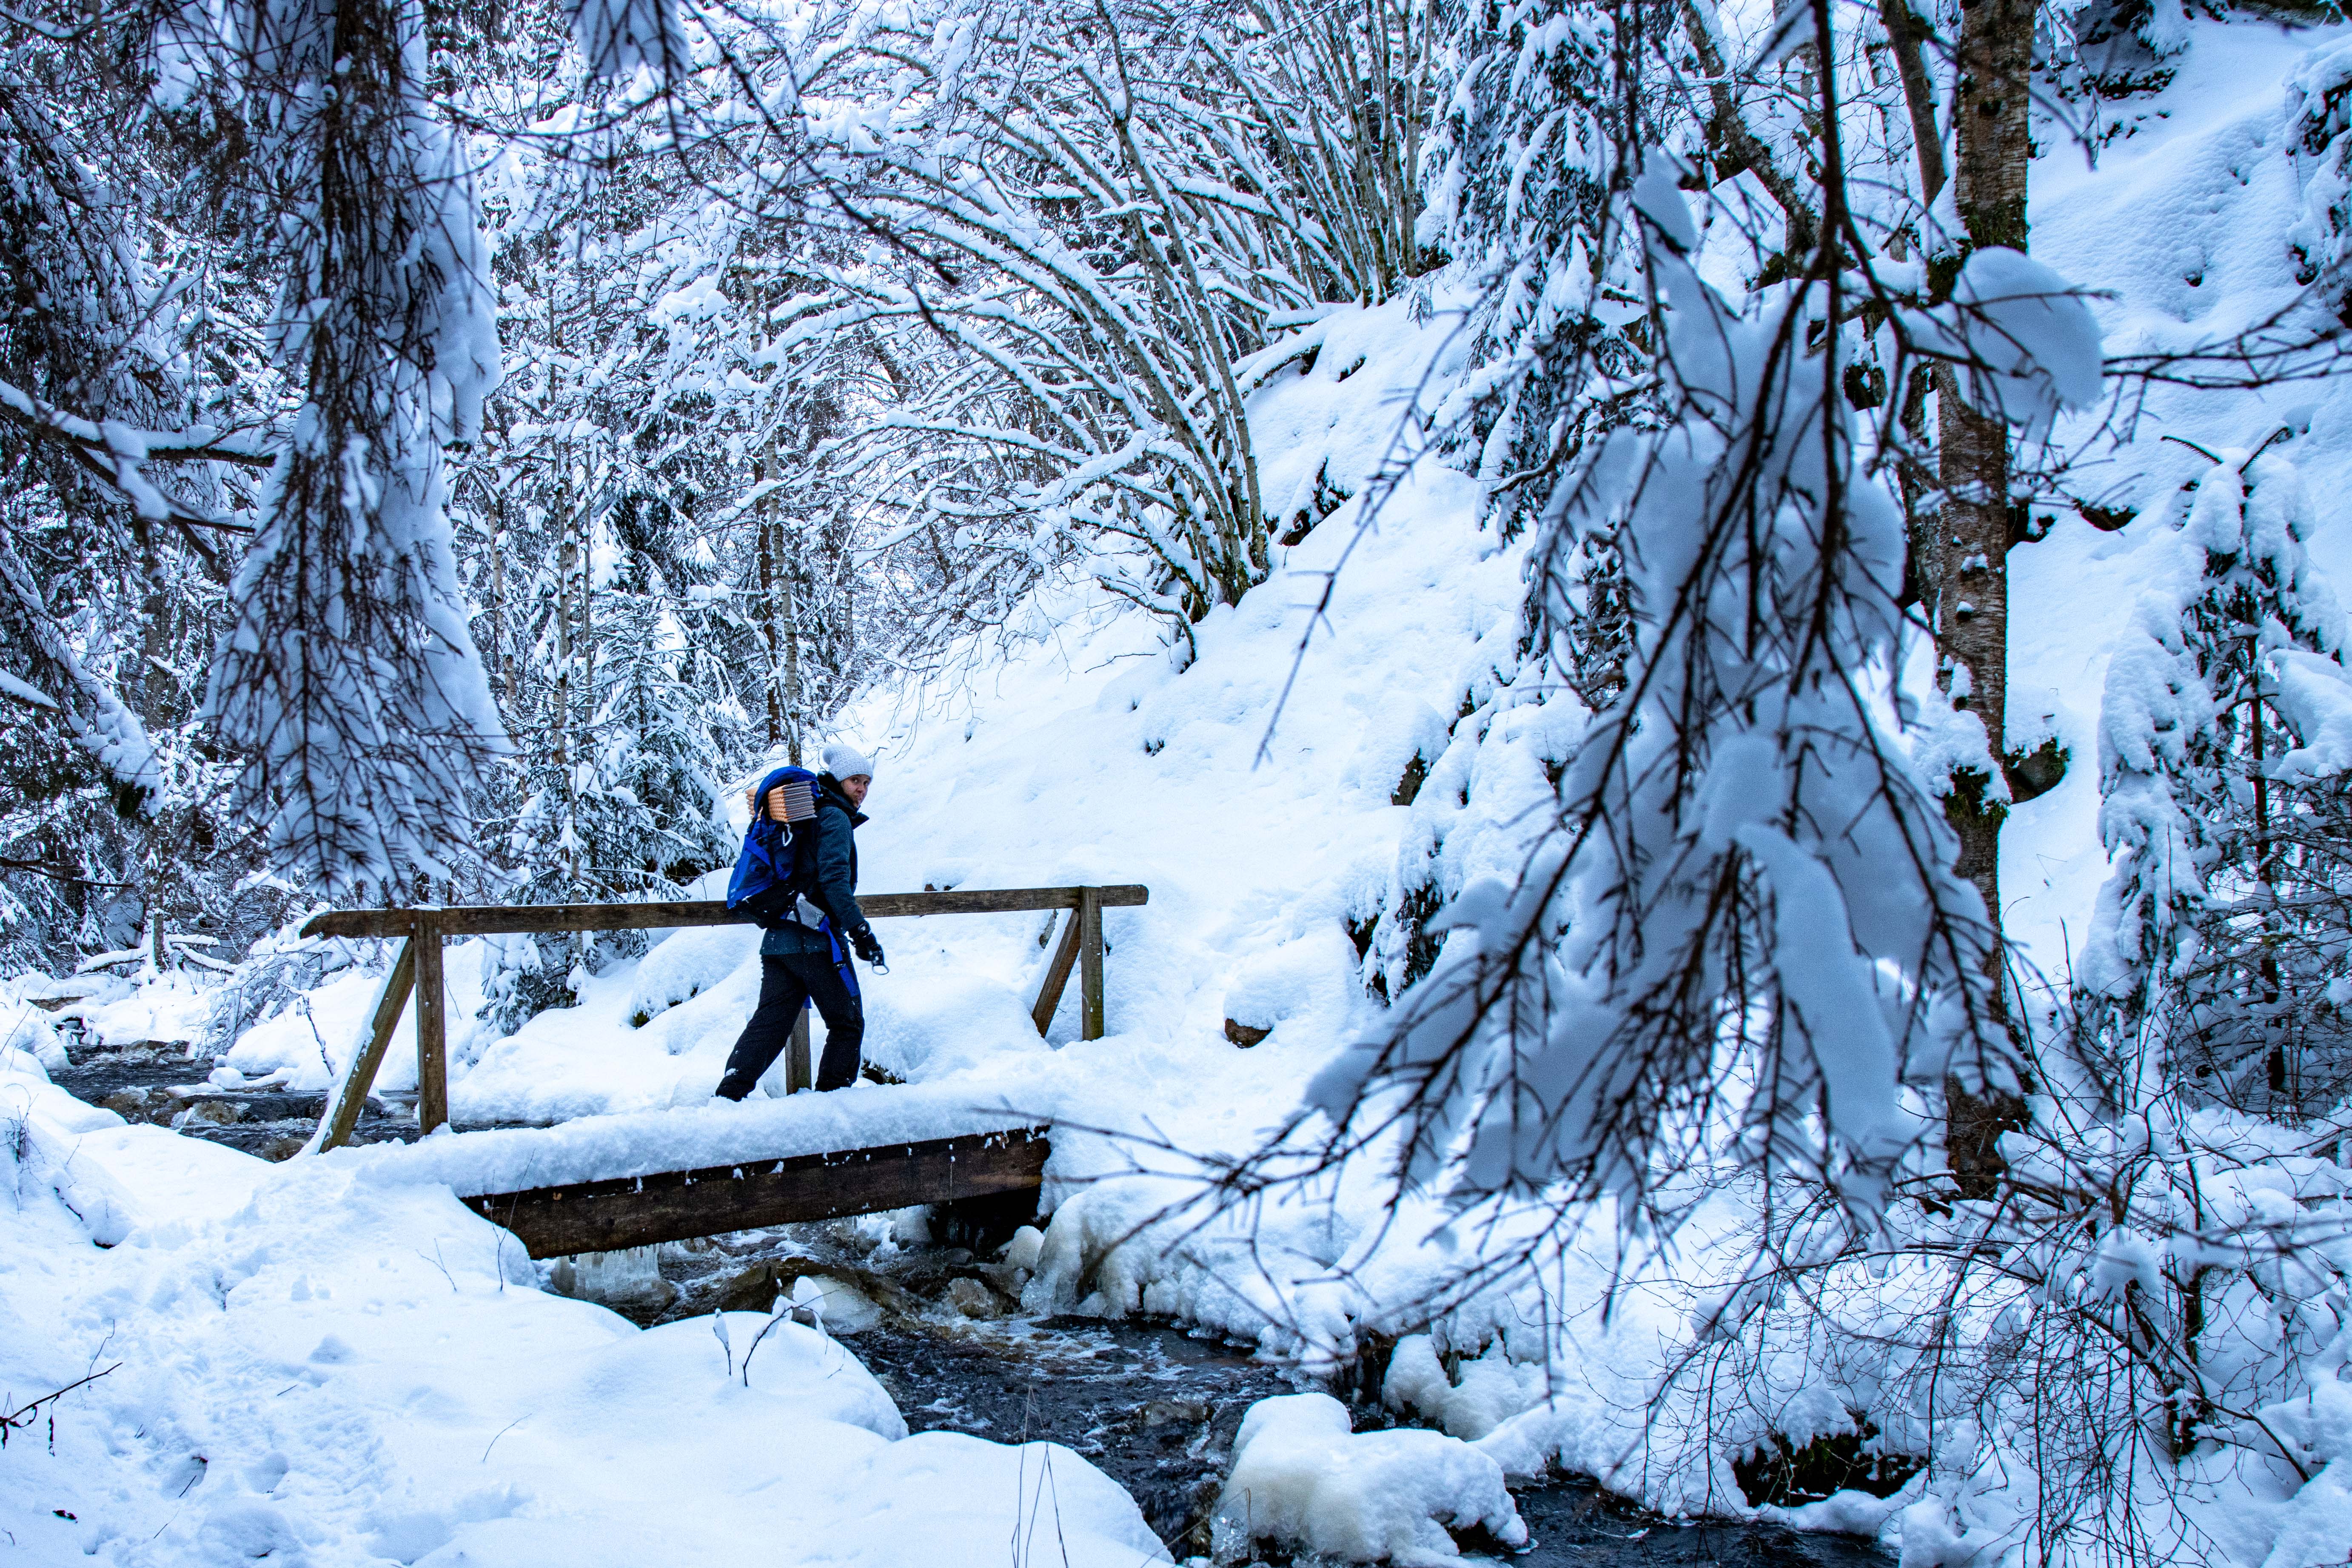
603, 1182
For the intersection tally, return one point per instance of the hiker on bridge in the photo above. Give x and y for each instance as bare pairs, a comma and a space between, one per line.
798, 875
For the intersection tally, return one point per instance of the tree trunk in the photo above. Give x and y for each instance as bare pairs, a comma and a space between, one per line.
795, 711
1991, 114
502, 659
1967, 587
567, 555
767, 537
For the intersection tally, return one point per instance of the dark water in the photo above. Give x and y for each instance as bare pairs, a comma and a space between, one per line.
1573, 1520
158, 1083
1154, 1406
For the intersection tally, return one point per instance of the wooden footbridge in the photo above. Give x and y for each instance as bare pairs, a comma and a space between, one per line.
635, 1207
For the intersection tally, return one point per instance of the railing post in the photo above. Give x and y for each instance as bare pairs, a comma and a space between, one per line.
798, 1075
342, 1112
1057, 976
432, 1030
1090, 964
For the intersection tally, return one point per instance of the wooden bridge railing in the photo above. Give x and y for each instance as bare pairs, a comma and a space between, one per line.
417, 969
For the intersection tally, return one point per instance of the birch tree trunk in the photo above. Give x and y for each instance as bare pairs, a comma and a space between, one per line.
1967, 571
765, 532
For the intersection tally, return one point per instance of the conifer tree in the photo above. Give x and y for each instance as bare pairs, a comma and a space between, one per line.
2222, 937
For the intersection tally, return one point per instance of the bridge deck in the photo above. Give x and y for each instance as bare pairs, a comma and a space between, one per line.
605, 1217
600, 1182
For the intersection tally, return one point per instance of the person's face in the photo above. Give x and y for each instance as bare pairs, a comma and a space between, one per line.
856, 785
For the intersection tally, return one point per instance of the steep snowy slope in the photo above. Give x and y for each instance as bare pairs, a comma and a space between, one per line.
2185, 221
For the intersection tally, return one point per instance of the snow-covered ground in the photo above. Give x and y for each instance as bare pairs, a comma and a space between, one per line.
300, 1364
365, 1370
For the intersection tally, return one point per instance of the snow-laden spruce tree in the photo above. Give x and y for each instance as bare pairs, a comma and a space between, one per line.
1518, 172
2223, 939
349, 681
1519, 178
630, 810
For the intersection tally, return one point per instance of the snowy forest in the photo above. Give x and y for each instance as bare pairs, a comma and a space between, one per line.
1711, 626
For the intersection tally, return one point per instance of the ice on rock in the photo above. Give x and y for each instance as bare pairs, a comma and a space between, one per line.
1028, 1244
1303, 1480
1486, 1393
841, 1306
630, 1277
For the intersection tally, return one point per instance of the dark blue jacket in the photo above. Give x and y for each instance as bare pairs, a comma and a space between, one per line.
836, 879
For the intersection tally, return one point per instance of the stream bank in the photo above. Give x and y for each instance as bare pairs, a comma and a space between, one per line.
1154, 1406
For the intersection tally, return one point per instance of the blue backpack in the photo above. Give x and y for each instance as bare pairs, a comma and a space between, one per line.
777, 864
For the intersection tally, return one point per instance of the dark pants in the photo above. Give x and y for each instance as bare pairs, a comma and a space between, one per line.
788, 983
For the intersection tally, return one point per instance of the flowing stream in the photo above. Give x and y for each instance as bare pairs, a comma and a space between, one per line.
1153, 1406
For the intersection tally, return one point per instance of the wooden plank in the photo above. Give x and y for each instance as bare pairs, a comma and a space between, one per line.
799, 1074
605, 1217
431, 1024
1090, 964
1057, 976
506, 919
343, 1115
996, 901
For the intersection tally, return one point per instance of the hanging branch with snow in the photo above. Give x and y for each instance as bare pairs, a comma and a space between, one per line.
1745, 906
349, 681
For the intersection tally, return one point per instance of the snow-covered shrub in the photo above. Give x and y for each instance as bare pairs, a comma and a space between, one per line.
2150, 1322
2223, 940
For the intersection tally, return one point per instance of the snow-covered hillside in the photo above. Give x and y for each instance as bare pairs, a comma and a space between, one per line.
2185, 221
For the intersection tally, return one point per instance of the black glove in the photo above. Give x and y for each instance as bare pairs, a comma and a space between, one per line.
862, 943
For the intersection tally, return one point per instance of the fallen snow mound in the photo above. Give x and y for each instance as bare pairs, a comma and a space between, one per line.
1303, 1480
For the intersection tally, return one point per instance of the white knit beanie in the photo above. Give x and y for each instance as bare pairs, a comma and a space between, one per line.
846, 762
